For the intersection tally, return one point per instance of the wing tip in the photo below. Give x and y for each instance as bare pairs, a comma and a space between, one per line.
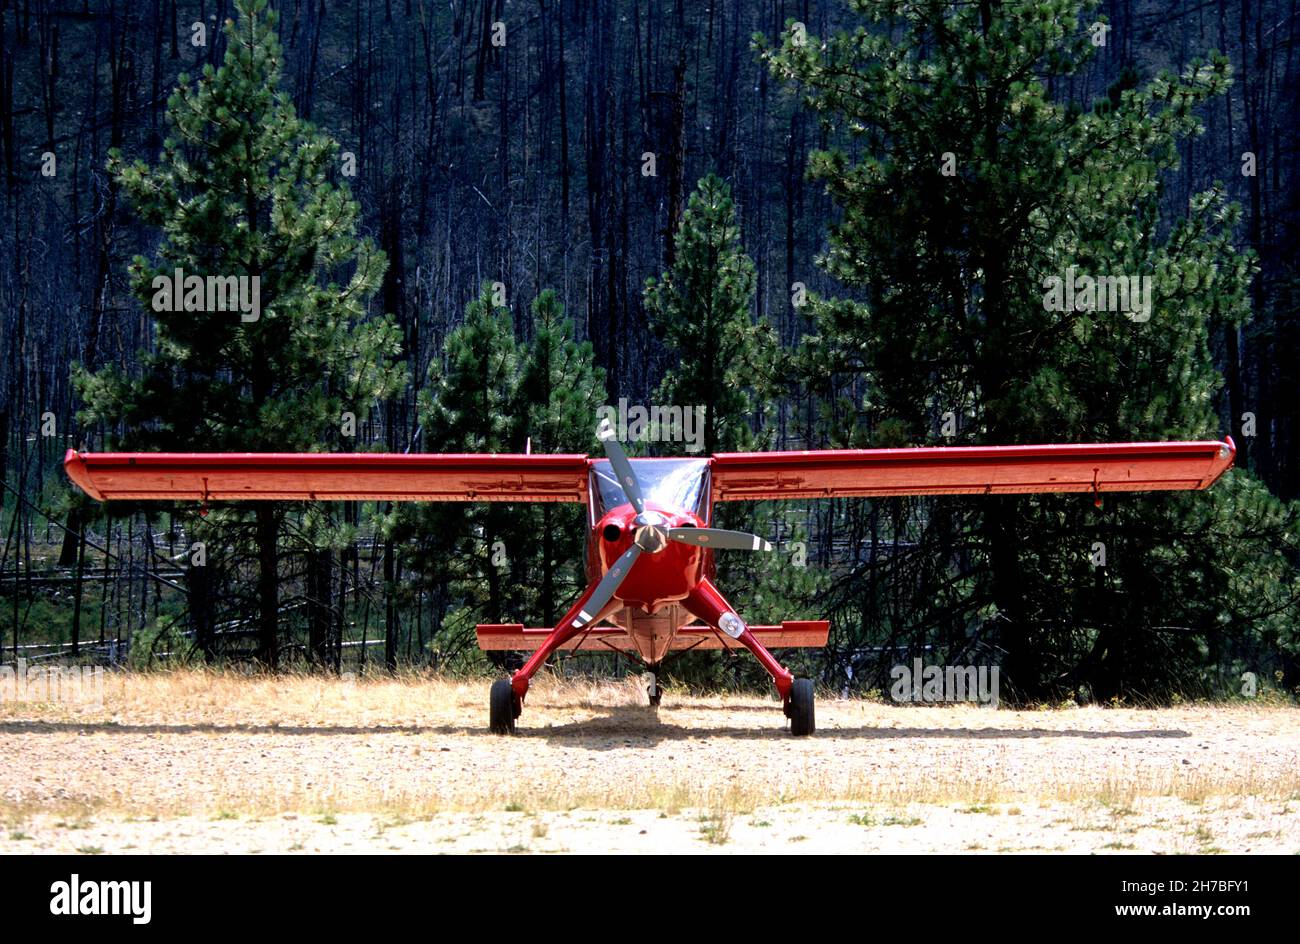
74, 464
1223, 461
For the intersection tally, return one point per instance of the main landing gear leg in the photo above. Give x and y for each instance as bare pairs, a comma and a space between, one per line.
507, 698
796, 694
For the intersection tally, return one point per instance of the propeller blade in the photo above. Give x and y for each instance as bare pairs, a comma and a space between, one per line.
618, 461
719, 537
608, 584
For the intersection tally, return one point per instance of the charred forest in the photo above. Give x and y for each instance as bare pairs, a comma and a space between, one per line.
823, 224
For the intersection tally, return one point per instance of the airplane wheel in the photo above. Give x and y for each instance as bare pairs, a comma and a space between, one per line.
654, 691
502, 717
800, 708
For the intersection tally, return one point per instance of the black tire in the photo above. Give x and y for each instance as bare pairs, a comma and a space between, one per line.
654, 691
502, 717
802, 716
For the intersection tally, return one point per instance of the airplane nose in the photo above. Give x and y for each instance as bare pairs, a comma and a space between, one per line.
651, 532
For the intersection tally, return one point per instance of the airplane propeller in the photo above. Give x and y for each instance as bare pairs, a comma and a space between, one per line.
719, 537
608, 584
618, 461
652, 535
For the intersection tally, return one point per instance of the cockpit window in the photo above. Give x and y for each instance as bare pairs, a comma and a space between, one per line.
674, 483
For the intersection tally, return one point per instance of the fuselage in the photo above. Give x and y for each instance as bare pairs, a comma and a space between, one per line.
650, 599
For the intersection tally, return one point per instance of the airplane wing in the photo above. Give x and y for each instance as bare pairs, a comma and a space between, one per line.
364, 476
942, 470
970, 470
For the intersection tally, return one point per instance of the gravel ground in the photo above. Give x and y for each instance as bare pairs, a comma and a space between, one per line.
1162, 826
197, 762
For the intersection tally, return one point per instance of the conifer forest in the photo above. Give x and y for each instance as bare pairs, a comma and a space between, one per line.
479, 225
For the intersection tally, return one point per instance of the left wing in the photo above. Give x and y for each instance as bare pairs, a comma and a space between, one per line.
363, 476
970, 470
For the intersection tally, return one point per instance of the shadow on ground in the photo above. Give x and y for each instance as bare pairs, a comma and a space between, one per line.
616, 727
621, 725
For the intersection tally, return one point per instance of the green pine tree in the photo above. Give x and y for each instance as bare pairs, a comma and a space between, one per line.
244, 188
491, 561
726, 361
969, 188
467, 406
559, 392
703, 309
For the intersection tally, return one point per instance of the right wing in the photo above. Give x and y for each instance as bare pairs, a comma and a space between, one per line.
360, 476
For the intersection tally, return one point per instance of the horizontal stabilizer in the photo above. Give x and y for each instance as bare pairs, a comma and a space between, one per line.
790, 634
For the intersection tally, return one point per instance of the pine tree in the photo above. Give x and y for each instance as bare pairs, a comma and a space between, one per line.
559, 393
467, 406
726, 361
702, 308
492, 393
244, 189
971, 188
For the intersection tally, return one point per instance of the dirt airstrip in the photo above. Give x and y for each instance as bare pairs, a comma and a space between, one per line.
196, 762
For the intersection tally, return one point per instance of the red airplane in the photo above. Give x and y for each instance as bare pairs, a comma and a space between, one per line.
650, 541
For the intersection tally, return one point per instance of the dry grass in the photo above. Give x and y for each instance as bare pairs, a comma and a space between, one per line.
216, 744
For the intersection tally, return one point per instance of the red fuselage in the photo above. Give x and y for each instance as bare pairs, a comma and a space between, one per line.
655, 580
650, 600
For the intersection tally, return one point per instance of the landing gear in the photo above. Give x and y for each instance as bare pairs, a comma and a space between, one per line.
508, 694
504, 708
654, 691
799, 708
712, 608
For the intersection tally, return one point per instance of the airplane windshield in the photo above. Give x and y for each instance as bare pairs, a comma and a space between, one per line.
672, 483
